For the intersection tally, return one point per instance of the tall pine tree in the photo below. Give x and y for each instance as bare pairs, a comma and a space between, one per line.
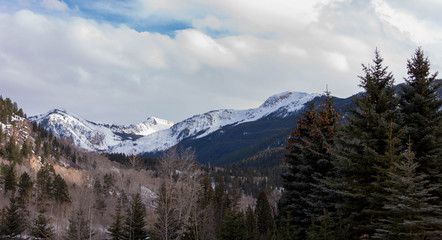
309, 163
421, 117
363, 145
134, 224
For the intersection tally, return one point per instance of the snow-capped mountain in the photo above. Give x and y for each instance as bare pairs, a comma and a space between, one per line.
202, 125
156, 134
95, 136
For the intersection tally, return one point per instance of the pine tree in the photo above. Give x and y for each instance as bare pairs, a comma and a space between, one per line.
251, 224
60, 191
9, 177
14, 221
421, 117
322, 228
116, 229
363, 145
25, 185
263, 213
44, 182
166, 226
79, 226
219, 201
309, 163
411, 214
134, 223
12, 151
233, 227
41, 227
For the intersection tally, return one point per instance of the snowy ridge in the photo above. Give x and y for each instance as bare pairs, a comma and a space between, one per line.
156, 134
93, 136
202, 125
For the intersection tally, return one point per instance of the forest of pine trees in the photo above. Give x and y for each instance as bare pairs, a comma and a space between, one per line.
371, 172
376, 173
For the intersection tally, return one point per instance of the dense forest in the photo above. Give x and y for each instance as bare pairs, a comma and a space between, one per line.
374, 172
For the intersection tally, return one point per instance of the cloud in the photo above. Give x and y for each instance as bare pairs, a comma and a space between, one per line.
420, 31
93, 61
54, 5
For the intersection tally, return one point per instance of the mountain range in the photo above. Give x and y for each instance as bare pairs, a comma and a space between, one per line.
218, 137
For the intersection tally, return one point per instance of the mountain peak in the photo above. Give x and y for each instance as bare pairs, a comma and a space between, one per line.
281, 98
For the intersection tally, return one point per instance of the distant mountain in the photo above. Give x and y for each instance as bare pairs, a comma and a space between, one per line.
156, 135
96, 136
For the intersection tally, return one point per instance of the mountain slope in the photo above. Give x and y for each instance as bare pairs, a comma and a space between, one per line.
93, 136
156, 135
203, 125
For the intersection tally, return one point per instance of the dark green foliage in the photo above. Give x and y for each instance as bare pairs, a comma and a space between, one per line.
25, 186
233, 227
167, 225
8, 177
134, 224
263, 213
309, 163
41, 227
116, 231
13, 151
14, 222
79, 225
220, 202
251, 225
322, 228
25, 149
44, 182
364, 143
421, 117
60, 191
409, 208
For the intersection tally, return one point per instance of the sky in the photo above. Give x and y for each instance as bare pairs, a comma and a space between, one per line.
121, 62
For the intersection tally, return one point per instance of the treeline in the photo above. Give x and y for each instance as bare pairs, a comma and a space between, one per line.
377, 174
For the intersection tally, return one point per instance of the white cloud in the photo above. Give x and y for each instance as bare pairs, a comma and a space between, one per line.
54, 5
113, 73
420, 31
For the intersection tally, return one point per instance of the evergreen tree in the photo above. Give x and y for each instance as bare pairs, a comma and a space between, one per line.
263, 213
166, 226
421, 117
44, 182
14, 222
251, 224
116, 229
322, 228
134, 223
60, 191
309, 163
25, 185
219, 201
12, 151
363, 145
25, 150
79, 225
9, 177
41, 228
411, 215
233, 227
